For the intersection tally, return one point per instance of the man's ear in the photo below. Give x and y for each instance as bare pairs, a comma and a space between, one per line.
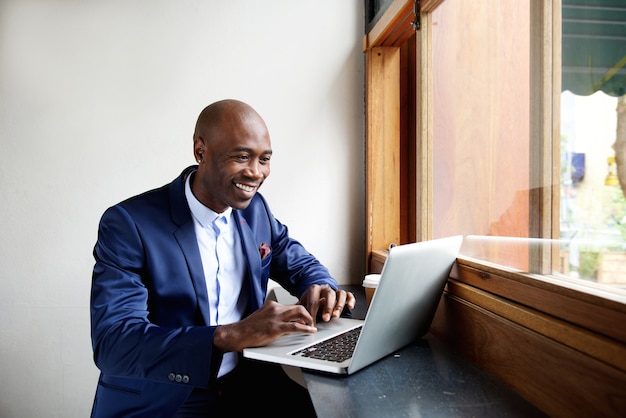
199, 149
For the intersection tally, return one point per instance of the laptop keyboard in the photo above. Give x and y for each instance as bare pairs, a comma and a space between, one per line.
336, 349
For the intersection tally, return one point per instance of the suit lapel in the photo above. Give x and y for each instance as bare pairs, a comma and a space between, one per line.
251, 253
186, 237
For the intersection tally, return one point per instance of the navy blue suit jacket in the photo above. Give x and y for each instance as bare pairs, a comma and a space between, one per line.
149, 303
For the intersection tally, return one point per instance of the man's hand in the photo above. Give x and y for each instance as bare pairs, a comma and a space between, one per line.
262, 327
325, 302
273, 319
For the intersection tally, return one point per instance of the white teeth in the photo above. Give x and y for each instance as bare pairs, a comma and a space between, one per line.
244, 187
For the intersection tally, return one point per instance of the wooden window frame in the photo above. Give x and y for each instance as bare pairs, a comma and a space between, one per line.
560, 345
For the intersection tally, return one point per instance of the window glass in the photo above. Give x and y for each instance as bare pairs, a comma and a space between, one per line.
485, 150
593, 207
481, 119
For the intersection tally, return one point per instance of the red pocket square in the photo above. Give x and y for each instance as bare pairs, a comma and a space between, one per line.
264, 250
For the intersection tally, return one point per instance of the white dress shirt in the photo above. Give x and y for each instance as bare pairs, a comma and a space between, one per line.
223, 264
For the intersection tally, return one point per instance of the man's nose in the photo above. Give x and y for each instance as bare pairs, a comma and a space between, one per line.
254, 170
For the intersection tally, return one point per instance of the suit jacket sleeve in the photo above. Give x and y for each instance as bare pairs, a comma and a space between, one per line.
288, 262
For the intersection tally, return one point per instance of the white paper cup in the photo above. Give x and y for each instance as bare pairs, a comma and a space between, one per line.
370, 283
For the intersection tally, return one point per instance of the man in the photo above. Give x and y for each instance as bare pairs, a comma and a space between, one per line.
180, 280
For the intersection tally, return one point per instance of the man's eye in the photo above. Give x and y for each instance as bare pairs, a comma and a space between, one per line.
242, 157
265, 160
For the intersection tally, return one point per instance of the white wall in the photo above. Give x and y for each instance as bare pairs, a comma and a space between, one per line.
97, 102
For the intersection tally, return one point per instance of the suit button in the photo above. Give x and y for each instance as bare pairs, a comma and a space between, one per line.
179, 378
185, 378
171, 377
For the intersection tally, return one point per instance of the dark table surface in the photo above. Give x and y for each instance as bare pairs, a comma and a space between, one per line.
424, 379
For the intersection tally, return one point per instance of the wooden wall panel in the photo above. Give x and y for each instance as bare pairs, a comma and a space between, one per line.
382, 180
558, 379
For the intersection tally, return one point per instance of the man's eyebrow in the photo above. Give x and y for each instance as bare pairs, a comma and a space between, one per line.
250, 150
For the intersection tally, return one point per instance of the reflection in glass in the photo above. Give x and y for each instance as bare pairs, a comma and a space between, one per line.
491, 176
593, 207
593, 214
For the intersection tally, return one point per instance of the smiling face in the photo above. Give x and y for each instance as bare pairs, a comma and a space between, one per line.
232, 145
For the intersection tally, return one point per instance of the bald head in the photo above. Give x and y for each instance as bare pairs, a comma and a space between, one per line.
222, 115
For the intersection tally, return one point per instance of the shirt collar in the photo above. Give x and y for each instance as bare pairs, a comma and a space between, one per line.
203, 215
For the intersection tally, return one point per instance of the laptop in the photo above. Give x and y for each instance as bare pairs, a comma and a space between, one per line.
402, 309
